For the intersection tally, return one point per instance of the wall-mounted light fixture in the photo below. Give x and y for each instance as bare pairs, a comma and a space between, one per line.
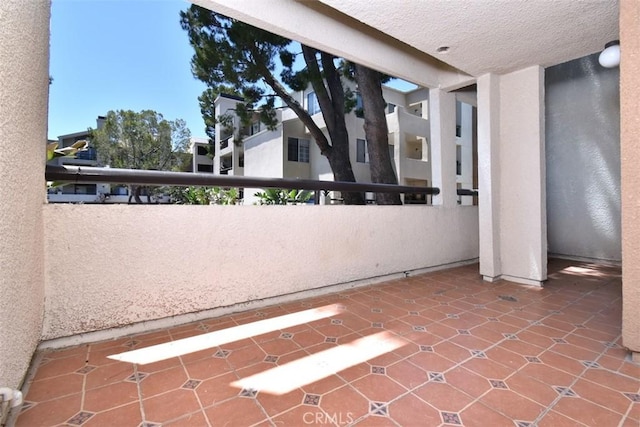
610, 56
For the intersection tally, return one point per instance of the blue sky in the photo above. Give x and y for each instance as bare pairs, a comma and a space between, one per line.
118, 54
121, 55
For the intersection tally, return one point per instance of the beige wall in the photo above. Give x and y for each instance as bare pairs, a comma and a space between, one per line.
149, 262
630, 155
24, 72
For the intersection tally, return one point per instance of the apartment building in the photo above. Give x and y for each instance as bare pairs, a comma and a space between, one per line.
290, 152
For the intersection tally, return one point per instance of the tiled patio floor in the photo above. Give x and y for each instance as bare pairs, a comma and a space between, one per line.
436, 349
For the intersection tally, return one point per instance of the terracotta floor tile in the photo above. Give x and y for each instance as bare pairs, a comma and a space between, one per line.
169, 406
603, 396
240, 411
51, 413
307, 338
443, 396
587, 412
374, 421
467, 381
207, 368
60, 366
410, 410
378, 388
488, 368
506, 357
430, 361
196, 419
277, 347
163, 381
613, 381
310, 415
564, 363
345, 402
80, 350
127, 415
479, 415
108, 374
111, 396
407, 374
512, 404
324, 385
217, 389
276, 404
555, 419
529, 387
54, 388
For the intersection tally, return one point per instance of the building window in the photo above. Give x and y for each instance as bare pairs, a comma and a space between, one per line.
359, 108
202, 150
391, 108
362, 155
298, 150
205, 168
313, 107
255, 128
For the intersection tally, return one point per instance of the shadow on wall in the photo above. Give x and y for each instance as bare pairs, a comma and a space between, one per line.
583, 159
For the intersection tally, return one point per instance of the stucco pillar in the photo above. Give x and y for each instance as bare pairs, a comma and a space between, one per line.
630, 178
24, 83
466, 148
523, 212
489, 175
442, 113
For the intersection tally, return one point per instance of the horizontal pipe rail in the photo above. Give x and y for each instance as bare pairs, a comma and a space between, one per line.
467, 192
82, 174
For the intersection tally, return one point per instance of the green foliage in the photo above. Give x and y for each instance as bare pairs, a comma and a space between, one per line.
207, 196
144, 140
279, 196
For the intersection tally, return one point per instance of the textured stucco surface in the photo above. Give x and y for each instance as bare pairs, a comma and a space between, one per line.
523, 233
583, 159
148, 262
24, 72
630, 155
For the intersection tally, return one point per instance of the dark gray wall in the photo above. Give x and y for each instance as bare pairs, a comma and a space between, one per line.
583, 159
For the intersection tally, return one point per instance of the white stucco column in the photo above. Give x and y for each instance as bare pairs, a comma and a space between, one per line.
466, 147
489, 175
511, 175
24, 95
442, 115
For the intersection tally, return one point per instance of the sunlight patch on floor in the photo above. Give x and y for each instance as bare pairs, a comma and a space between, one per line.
184, 346
288, 377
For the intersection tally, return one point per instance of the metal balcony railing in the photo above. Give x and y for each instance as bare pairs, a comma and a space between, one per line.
160, 178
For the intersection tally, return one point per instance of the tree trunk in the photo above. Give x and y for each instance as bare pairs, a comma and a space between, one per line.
377, 132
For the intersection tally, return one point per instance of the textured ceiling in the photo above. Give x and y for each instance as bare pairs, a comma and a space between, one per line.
492, 35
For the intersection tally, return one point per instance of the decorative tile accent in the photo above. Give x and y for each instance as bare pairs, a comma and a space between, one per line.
305, 304
510, 336
426, 348
440, 292
222, 354
336, 322
203, 327
418, 328
565, 391
450, 418
80, 418
479, 306
378, 408
436, 377
148, 424
261, 314
248, 392
410, 301
556, 312
376, 298
311, 399
509, 298
378, 370
331, 339
444, 303
523, 423
634, 397
535, 322
341, 307
590, 364
579, 326
85, 369
492, 319
271, 359
464, 332
376, 310
452, 316
138, 376
560, 340
286, 335
376, 325
610, 344
413, 313
479, 354
498, 384
131, 344
533, 359
191, 384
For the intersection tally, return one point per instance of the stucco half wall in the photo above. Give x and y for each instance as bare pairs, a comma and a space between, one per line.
109, 266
